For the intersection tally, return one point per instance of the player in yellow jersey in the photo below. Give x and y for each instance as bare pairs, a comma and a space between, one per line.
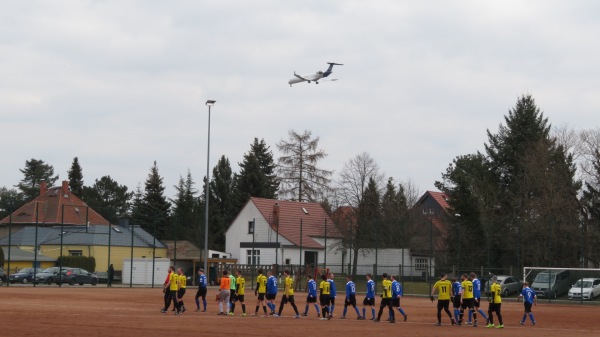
386, 298
166, 291
444, 290
467, 299
173, 287
260, 291
495, 304
325, 289
241, 290
288, 294
182, 283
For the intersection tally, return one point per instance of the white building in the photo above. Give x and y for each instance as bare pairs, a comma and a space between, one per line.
283, 232
301, 233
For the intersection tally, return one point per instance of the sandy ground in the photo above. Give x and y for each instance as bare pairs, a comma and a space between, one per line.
101, 311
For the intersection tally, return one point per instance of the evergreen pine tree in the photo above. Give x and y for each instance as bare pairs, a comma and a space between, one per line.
154, 207
222, 202
34, 173
186, 216
108, 198
394, 211
523, 188
75, 175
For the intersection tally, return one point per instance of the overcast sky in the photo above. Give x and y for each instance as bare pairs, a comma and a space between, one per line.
121, 84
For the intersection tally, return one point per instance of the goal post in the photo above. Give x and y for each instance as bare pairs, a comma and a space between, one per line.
581, 284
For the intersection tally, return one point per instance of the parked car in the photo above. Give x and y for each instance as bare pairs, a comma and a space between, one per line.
508, 284
79, 276
48, 275
552, 283
2, 276
590, 287
24, 276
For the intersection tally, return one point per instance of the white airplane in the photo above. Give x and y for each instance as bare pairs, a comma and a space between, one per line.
313, 77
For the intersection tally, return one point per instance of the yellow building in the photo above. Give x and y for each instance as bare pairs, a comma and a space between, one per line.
107, 244
58, 223
20, 259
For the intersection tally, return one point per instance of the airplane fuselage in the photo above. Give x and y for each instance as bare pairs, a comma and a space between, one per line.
313, 77
307, 78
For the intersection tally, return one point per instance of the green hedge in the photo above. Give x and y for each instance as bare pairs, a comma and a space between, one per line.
87, 263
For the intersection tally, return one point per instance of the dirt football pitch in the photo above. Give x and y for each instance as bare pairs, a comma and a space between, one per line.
101, 311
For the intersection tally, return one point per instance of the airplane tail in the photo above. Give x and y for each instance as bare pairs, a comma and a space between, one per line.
330, 69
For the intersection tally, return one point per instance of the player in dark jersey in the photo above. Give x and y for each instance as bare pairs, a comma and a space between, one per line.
476, 296
369, 298
456, 290
271, 291
529, 299
311, 297
350, 299
397, 293
202, 290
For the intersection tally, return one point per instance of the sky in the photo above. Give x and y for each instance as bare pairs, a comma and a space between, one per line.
121, 84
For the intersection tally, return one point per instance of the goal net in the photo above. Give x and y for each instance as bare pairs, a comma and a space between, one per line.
581, 284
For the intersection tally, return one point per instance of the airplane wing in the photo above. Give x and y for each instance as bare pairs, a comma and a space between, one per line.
300, 77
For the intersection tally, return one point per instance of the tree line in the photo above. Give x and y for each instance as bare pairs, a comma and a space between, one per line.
530, 197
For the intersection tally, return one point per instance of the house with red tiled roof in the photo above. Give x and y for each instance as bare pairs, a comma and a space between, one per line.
58, 223
269, 231
55, 206
434, 207
279, 232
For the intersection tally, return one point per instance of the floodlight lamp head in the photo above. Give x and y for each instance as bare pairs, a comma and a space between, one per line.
210, 102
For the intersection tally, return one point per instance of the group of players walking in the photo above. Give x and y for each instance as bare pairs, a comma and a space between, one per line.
464, 295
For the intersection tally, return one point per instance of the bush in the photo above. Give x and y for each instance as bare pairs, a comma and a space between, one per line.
87, 263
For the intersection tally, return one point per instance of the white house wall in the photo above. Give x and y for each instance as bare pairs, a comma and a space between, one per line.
388, 260
238, 232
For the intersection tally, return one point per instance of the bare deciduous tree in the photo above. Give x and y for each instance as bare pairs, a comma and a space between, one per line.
359, 177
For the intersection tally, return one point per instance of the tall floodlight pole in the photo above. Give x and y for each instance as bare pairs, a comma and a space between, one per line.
210, 103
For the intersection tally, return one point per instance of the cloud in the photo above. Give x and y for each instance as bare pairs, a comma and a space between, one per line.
121, 84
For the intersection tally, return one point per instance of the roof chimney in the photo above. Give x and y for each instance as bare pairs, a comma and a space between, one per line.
65, 187
43, 187
276, 214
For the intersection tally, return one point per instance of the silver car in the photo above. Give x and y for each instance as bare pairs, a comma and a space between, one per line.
509, 285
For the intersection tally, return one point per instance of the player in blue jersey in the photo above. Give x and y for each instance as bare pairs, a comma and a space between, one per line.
332, 294
477, 296
397, 293
350, 297
201, 290
456, 290
529, 299
312, 296
369, 298
271, 291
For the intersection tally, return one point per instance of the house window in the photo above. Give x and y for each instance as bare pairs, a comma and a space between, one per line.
253, 260
288, 261
250, 227
75, 253
421, 263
